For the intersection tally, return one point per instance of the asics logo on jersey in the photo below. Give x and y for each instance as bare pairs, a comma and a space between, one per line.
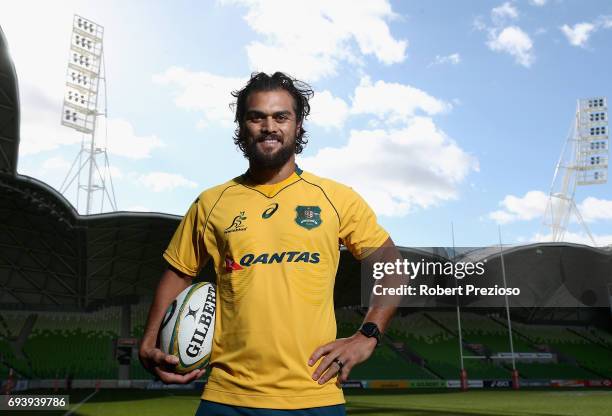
284, 256
268, 212
237, 223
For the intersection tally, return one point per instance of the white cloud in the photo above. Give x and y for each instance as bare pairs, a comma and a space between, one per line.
578, 35
211, 95
204, 92
327, 110
396, 171
138, 208
394, 102
504, 11
115, 172
163, 181
123, 141
594, 209
54, 166
56, 163
538, 3
291, 60
525, 208
311, 44
514, 41
41, 132
506, 38
453, 59
479, 24
40, 128
577, 238
533, 204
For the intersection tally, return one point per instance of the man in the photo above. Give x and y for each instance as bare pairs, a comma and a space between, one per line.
273, 236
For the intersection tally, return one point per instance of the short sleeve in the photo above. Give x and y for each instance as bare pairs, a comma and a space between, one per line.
187, 251
359, 229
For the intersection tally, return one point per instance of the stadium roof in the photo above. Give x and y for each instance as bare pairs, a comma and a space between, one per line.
9, 111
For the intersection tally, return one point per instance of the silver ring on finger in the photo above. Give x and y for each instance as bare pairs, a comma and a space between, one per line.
339, 363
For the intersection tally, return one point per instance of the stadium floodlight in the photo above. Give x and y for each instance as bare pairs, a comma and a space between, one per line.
77, 118
583, 161
78, 79
80, 111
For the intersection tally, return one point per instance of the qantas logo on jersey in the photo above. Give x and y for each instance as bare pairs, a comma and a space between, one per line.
282, 257
230, 264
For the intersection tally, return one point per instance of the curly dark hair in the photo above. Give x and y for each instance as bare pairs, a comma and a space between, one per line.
260, 81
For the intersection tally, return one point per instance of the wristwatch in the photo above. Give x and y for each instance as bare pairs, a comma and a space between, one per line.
370, 330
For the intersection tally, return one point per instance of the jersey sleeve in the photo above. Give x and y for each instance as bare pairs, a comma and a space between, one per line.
187, 251
359, 229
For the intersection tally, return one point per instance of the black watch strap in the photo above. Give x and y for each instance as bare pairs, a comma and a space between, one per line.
370, 330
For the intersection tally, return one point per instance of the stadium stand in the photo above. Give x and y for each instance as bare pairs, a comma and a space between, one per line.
139, 320
421, 345
552, 371
431, 336
385, 363
58, 338
572, 348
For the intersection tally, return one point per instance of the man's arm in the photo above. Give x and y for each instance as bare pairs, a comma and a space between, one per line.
152, 358
357, 348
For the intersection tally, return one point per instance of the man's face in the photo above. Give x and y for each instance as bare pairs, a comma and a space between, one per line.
270, 128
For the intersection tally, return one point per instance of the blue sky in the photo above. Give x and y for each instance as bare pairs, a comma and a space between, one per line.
434, 111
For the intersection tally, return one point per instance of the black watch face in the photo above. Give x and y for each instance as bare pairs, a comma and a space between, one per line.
370, 329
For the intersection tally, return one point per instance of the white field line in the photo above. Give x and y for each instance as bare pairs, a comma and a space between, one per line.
71, 411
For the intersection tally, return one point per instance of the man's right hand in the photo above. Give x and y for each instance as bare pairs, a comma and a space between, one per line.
152, 358
163, 365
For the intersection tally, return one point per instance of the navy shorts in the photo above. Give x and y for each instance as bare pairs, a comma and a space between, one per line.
207, 408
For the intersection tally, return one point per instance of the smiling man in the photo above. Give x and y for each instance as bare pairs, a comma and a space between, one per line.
273, 236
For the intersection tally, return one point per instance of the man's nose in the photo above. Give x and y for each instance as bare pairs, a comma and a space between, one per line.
269, 125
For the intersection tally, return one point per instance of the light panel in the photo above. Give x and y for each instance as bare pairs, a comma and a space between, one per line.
74, 117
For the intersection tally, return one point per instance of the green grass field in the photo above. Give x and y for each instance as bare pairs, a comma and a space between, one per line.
584, 402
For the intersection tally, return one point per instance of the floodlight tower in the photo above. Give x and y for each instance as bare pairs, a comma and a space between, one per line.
80, 112
583, 161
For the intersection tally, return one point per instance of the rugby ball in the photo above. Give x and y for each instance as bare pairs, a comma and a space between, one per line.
188, 327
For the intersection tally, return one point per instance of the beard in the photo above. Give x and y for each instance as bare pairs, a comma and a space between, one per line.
272, 160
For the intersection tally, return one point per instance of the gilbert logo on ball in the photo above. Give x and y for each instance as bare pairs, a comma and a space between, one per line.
188, 327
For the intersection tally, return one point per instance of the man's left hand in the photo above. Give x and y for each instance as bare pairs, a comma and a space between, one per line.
340, 356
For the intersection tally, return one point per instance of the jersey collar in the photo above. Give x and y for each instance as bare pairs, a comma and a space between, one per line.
271, 190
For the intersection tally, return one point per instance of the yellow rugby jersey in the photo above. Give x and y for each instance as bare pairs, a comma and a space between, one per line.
275, 249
